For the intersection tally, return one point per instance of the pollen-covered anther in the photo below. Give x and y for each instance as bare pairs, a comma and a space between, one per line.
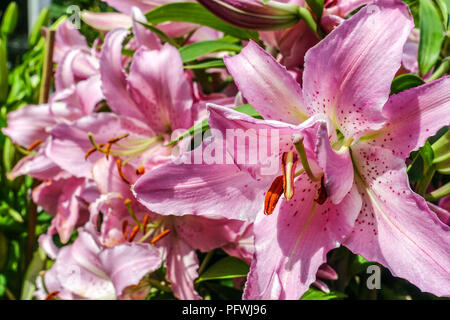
321, 195
273, 195
133, 233
119, 169
160, 236
111, 141
289, 163
34, 145
140, 170
144, 223
52, 295
91, 151
124, 229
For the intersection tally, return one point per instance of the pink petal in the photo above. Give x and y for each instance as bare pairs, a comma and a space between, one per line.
160, 89
106, 21
182, 265
266, 84
144, 36
348, 75
292, 243
128, 263
67, 38
113, 76
38, 166
207, 234
125, 6
395, 226
70, 142
413, 116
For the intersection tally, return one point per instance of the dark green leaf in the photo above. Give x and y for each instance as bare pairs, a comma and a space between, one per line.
226, 268
206, 65
431, 36
427, 154
315, 294
196, 13
316, 6
199, 49
9, 19
405, 82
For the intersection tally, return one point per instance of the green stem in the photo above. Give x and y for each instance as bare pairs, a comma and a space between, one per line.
439, 193
443, 68
205, 262
298, 142
423, 184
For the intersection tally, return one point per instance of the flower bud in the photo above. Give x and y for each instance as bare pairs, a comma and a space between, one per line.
254, 14
9, 20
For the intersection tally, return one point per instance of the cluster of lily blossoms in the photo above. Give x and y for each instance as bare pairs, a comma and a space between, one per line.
138, 203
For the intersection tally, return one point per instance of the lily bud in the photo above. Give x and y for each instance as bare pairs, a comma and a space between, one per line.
254, 14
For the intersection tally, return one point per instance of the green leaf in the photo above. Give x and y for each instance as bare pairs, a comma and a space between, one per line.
316, 6
3, 72
315, 294
203, 126
415, 169
8, 155
206, 65
199, 49
431, 36
2, 284
9, 20
443, 167
196, 13
414, 6
441, 148
164, 37
29, 283
41, 21
427, 154
226, 268
444, 8
405, 82
5, 208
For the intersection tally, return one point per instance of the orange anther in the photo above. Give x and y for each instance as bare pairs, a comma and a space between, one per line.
119, 169
273, 195
160, 236
34, 145
133, 233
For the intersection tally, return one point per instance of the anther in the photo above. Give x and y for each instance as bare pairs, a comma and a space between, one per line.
160, 236
91, 151
289, 162
140, 170
273, 195
321, 195
34, 145
119, 169
144, 223
124, 229
133, 233
52, 295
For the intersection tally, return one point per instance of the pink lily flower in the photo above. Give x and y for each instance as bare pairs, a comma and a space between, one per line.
364, 200
88, 270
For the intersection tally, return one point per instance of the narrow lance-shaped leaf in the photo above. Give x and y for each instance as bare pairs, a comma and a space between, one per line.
405, 82
195, 13
226, 268
431, 36
199, 49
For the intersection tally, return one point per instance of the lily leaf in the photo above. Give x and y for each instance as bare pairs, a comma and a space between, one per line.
405, 82
226, 268
431, 36
196, 13
316, 6
314, 294
218, 63
199, 49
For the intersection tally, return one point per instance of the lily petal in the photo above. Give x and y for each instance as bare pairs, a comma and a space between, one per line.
348, 74
267, 85
292, 243
395, 226
413, 116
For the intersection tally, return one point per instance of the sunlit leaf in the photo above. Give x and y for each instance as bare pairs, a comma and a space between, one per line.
226, 268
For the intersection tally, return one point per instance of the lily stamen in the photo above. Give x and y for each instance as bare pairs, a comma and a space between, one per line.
297, 140
124, 229
133, 233
144, 223
321, 195
52, 295
127, 204
91, 151
160, 236
140, 170
119, 169
34, 145
273, 195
